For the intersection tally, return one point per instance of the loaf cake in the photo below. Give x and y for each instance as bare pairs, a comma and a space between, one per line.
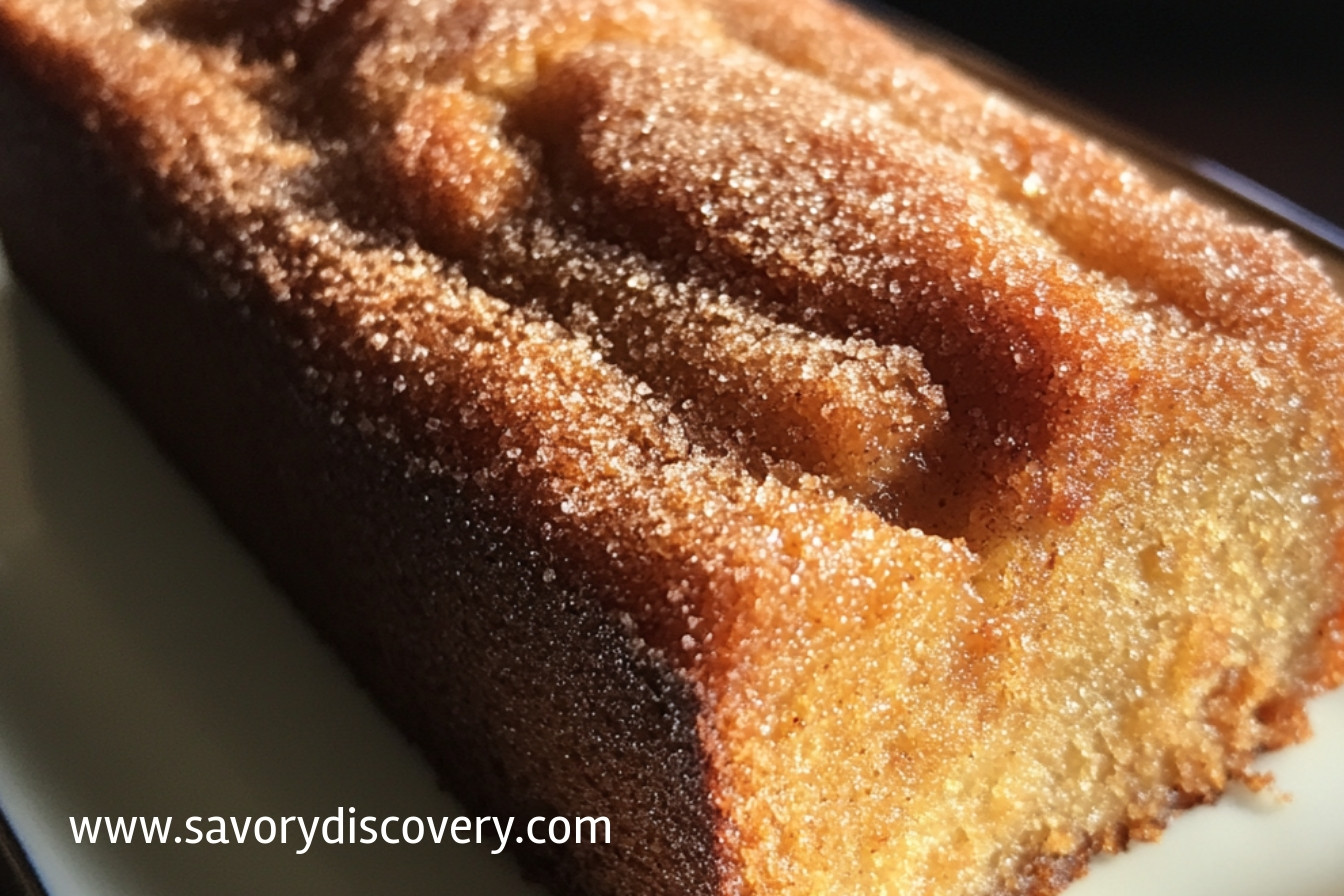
717, 415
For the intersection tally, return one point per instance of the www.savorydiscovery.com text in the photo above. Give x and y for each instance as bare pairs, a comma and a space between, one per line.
344, 827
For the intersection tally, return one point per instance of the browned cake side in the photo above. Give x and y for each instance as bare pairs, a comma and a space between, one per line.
872, 486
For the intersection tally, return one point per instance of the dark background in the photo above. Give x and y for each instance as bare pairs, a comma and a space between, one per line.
1258, 87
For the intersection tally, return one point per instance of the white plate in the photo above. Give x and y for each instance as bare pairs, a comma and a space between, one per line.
147, 668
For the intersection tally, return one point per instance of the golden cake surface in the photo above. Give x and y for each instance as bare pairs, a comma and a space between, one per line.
985, 496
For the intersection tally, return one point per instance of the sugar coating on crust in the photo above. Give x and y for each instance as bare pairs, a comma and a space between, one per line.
989, 493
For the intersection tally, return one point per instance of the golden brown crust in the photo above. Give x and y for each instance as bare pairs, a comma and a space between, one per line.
963, 486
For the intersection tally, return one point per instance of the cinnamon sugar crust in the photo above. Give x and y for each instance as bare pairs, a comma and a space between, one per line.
965, 502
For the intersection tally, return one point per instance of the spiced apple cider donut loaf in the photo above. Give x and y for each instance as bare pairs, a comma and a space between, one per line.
716, 415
